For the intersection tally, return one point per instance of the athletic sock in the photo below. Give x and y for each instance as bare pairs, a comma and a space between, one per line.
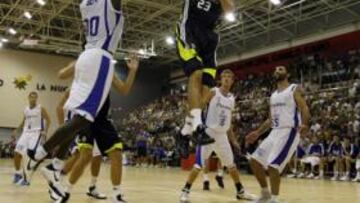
93, 181
40, 153
68, 187
220, 172
187, 128
18, 172
58, 164
265, 192
274, 197
187, 186
196, 121
117, 190
205, 177
239, 187
321, 173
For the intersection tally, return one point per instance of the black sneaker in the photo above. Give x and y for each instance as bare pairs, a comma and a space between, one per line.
118, 199
202, 137
63, 199
206, 186
183, 143
220, 181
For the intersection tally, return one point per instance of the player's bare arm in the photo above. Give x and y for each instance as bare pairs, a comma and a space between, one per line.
227, 5
46, 117
67, 71
304, 110
124, 87
60, 108
232, 138
16, 130
253, 136
208, 95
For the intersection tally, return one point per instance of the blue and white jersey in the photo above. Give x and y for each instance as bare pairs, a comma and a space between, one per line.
316, 150
103, 24
284, 112
336, 149
33, 119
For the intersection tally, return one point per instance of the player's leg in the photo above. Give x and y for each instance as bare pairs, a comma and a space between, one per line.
206, 180
220, 175
288, 140
357, 167
336, 168
347, 166
202, 153
69, 164
225, 154
95, 171
20, 150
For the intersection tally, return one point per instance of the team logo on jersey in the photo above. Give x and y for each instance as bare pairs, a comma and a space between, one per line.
22, 82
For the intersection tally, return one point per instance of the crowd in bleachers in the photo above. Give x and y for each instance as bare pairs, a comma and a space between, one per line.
332, 92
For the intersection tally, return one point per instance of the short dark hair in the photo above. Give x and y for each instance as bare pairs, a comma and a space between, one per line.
33, 93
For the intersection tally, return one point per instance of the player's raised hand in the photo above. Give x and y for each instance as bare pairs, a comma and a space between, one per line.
133, 62
252, 137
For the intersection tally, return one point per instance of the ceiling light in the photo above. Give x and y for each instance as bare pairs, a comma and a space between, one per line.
141, 52
27, 14
12, 31
275, 2
4, 40
230, 17
170, 40
41, 2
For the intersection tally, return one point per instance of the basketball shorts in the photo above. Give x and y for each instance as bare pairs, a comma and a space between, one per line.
29, 140
312, 160
196, 47
278, 148
221, 147
92, 82
101, 134
75, 147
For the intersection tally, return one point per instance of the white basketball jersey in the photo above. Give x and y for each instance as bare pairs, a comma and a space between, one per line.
284, 112
103, 24
33, 119
220, 110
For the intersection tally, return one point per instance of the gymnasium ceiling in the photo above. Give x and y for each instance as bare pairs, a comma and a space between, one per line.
56, 25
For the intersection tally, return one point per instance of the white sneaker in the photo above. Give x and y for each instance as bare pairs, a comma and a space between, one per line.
53, 178
334, 178
184, 197
310, 176
291, 175
243, 195
263, 200
356, 179
300, 175
317, 177
345, 178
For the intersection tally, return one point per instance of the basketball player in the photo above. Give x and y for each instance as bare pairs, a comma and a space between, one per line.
196, 45
103, 22
33, 134
74, 149
101, 133
276, 150
218, 121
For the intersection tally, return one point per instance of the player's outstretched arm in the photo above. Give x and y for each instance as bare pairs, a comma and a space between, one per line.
67, 71
227, 5
124, 87
60, 108
45, 115
304, 110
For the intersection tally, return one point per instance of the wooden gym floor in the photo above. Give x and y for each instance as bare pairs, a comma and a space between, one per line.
153, 185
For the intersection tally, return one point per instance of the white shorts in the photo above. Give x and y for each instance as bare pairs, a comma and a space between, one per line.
221, 147
278, 148
312, 160
94, 73
28, 140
